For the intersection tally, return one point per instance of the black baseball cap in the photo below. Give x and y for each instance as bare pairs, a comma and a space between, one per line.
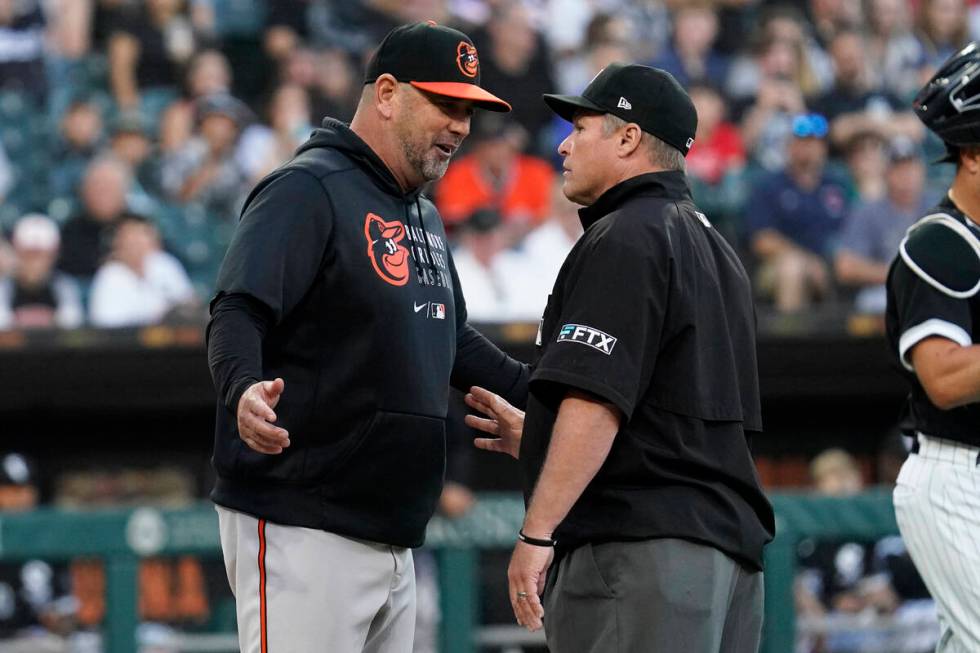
650, 97
436, 59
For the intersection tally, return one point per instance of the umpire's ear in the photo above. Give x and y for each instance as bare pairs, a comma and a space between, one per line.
630, 136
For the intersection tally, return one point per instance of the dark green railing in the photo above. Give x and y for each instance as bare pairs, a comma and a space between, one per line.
121, 537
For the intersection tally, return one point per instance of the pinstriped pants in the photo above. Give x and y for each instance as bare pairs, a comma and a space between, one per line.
937, 504
301, 590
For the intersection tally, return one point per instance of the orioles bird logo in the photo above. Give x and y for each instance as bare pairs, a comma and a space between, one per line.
466, 59
388, 256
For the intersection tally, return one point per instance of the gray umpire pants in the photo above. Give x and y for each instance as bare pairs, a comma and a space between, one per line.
652, 596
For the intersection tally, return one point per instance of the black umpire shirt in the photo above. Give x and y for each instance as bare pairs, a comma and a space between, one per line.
652, 311
918, 310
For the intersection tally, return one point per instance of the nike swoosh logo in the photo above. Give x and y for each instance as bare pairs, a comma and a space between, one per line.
419, 307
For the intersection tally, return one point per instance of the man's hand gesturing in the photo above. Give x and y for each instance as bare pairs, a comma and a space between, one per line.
502, 420
256, 417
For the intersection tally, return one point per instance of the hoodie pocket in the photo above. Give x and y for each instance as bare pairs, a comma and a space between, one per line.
398, 463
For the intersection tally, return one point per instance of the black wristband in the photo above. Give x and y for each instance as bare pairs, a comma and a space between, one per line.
534, 541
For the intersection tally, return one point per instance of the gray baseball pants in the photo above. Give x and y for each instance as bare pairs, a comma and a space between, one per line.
301, 590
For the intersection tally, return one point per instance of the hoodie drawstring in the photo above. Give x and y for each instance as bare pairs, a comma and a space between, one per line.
415, 258
425, 236
433, 269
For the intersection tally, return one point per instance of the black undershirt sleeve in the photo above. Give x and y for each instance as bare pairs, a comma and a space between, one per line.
234, 339
480, 362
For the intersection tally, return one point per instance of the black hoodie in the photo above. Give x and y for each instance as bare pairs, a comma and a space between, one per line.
343, 285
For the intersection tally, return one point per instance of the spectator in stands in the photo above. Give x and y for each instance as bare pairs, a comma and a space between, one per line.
264, 148
36, 606
357, 27
605, 42
130, 142
22, 49
85, 237
691, 56
208, 73
488, 272
147, 46
841, 579
716, 162
865, 158
893, 52
81, 138
853, 105
793, 217
36, 295
542, 253
205, 171
285, 28
335, 89
140, 284
780, 48
830, 17
942, 27
514, 56
873, 230
773, 101
329, 79
718, 147
496, 174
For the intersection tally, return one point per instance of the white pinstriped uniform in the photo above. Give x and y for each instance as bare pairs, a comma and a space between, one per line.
937, 504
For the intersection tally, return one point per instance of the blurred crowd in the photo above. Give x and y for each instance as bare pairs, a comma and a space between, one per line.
132, 130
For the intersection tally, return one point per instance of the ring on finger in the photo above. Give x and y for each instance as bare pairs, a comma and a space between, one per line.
521, 595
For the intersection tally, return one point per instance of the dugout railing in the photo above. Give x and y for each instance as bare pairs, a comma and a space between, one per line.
122, 536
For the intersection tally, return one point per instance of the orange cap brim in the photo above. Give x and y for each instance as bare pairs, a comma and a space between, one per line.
480, 97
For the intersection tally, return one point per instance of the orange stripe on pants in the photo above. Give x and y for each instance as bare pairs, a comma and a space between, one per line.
262, 607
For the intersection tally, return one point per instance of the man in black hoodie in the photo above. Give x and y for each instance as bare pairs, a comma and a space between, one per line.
337, 328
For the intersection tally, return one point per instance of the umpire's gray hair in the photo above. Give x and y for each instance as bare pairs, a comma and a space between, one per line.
660, 153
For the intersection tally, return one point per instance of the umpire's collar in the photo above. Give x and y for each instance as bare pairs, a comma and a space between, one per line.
668, 185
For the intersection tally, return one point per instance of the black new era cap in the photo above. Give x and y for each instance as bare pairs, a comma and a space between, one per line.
436, 59
650, 97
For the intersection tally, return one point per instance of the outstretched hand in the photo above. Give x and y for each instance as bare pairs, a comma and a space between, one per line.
256, 418
502, 420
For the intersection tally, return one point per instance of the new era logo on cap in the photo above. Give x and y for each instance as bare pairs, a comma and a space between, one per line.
624, 103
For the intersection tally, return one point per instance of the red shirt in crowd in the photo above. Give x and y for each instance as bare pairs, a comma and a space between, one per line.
710, 158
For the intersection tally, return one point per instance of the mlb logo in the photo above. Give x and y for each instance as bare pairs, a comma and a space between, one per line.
438, 311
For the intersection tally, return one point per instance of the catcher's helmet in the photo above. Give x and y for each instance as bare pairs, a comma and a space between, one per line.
949, 104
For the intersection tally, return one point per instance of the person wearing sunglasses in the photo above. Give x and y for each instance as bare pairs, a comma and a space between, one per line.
792, 218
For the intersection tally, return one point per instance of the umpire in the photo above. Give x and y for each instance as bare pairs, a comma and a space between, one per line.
643, 400
933, 321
